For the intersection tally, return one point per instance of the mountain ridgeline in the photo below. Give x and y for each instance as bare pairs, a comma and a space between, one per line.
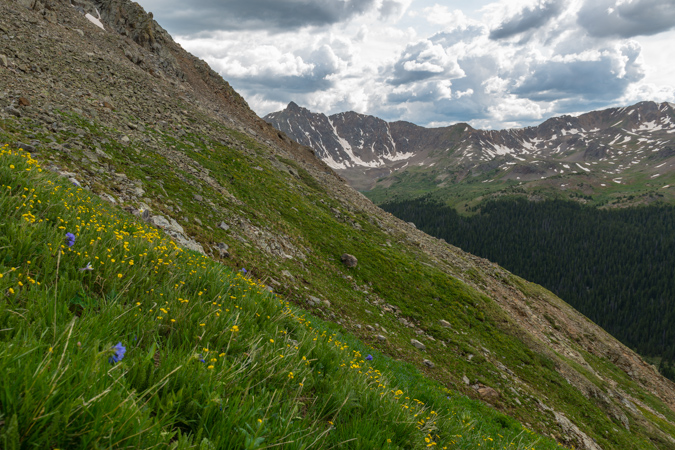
617, 266
601, 154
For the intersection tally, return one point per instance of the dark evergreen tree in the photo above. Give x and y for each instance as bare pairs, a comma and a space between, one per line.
615, 266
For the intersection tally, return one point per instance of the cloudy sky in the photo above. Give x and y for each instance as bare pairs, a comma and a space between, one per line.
494, 64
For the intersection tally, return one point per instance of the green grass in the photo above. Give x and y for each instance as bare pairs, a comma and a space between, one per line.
213, 360
468, 194
299, 211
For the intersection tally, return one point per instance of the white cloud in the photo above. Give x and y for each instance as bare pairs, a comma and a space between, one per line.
424, 60
515, 62
627, 18
529, 17
643, 92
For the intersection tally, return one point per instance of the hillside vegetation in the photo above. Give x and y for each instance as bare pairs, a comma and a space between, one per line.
617, 266
157, 141
114, 337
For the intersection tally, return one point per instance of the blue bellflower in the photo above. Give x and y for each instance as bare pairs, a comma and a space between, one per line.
119, 350
70, 239
369, 358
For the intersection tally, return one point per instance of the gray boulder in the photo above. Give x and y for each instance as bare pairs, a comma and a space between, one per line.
417, 344
349, 260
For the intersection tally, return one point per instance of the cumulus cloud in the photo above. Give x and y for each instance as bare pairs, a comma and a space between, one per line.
515, 65
627, 18
528, 18
198, 16
600, 74
423, 60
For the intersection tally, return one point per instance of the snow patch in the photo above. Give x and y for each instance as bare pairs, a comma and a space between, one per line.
348, 150
502, 149
94, 20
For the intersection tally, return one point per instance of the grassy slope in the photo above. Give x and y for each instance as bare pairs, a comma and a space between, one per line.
270, 208
636, 189
212, 358
300, 209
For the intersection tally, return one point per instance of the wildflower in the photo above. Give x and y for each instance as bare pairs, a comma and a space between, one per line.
87, 267
234, 328
70, 239
369, 358
244, 270
119, 350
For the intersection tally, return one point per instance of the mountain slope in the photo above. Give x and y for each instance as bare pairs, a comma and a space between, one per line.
603, 150
134, 121
616, 266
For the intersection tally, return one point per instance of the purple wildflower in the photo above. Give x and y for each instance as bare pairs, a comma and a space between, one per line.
369, 358
243, 269
70, 239
119, 350
87, 267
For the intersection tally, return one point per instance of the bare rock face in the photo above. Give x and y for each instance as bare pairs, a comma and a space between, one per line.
572, 433
176, 231
130, 19
364, 149
417, 344
349, 260
488, 393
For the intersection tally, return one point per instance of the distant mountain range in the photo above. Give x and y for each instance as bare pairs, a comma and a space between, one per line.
611, 146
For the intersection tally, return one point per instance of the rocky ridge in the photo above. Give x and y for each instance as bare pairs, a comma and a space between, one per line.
124, 112
611, 145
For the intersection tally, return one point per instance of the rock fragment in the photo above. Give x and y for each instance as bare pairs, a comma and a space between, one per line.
349, 260
417, 344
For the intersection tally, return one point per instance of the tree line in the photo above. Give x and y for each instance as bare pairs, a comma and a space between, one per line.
615, 266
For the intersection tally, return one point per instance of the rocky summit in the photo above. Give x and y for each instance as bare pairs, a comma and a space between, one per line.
100, 95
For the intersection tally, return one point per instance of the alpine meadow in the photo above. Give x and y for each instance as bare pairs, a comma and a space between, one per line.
177, 273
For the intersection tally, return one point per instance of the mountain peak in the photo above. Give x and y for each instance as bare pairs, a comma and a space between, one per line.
365, 148
293, 107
